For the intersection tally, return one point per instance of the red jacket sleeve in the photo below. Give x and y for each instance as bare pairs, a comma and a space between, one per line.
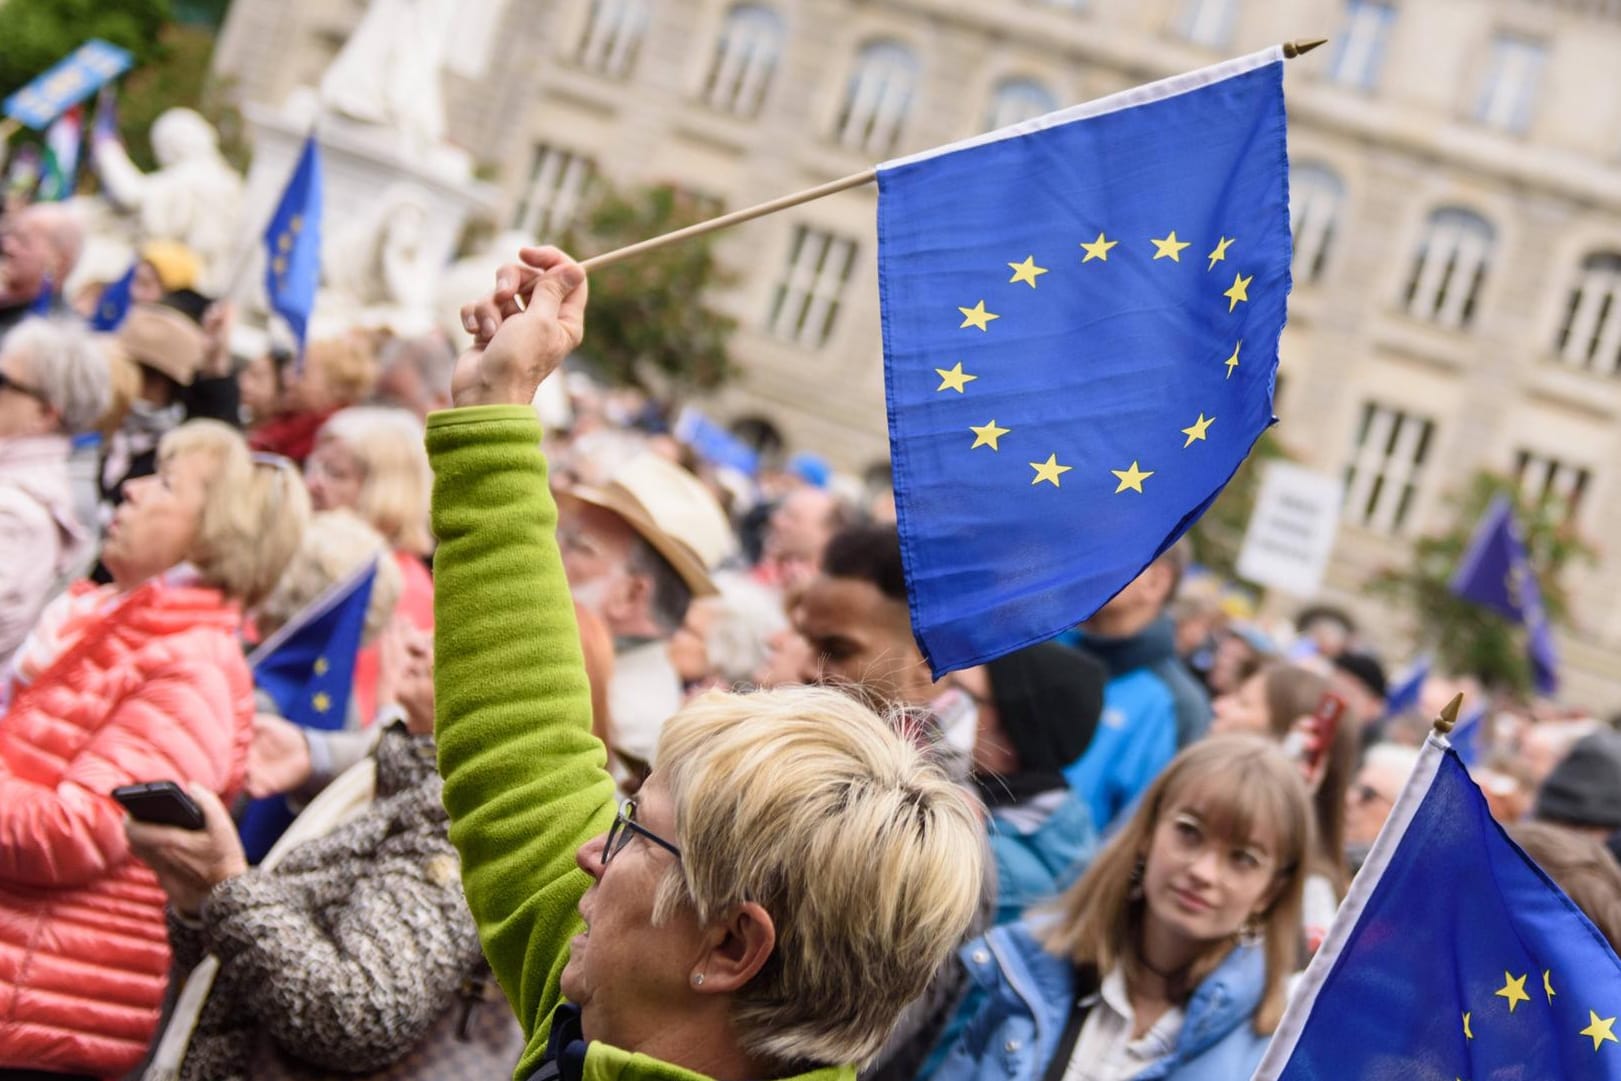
179, 724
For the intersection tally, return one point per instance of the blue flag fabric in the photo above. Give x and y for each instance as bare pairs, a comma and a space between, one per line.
308, 669
1081, 317
68, 82
1496, 573
293, 245
1404, 694
114, 303
1454, 956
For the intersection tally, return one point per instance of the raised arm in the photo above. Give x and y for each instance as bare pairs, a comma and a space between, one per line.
525, 782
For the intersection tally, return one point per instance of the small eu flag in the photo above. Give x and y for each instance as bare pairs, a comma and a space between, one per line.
308, 668
1496, 573
114, 304
1454, 956
293, 245
1081, 317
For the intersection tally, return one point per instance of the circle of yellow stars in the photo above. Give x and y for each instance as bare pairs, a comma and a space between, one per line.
1600, 1030
1026, 272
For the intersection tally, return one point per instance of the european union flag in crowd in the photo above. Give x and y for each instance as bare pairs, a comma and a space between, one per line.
293, 245
1081, 317
308, 668
68, 82
1495, 572
1454, 956
114, 303
1405, 692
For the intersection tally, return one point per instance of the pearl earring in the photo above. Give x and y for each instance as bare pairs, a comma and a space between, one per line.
697, 979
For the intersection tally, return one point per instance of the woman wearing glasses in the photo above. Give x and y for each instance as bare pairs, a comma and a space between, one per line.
788, 878
140, 680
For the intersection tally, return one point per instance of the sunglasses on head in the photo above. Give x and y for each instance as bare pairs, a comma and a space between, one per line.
8, 383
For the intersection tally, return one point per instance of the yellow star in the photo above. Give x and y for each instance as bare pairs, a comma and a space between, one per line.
1049, 470
279, 265
1026, 271
284, 242
1239, 291
1513, 990
986, 435
1220, 252
321, 666
1547, 983
1098, 249
1169, 248
1197, 430
976, 316
296, 223
322, 702
1131, 478
1599, 1029
1466, 1033
954, 378
1232, 361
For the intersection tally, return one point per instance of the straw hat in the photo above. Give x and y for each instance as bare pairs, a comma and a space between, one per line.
164, 340
672, 511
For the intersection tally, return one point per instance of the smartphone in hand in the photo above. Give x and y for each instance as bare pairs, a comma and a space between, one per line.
1312, 739
162, 803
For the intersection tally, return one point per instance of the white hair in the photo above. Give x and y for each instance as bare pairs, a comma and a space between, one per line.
67, 367
1395, 758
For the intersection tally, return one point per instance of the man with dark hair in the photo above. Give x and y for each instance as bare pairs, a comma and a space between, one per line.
1153, 706
636, 551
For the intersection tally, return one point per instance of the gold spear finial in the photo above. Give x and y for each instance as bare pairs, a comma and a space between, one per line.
1449, 715
1292, 49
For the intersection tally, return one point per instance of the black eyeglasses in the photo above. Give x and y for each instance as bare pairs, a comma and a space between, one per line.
6, 382
1366, 793
624, 827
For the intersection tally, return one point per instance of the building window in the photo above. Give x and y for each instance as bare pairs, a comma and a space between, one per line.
1382, 477
1450, 267
807, 298
1544, 479
1018, 99
745, 60
557, 180
612, 36
1360, 50
1508, 96
1207, 22
1315, 195
1590, 337
877, 98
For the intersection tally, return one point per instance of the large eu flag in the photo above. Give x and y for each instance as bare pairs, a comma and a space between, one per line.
293, 245
1081, 317
1496, 573
308, 668
1454, 956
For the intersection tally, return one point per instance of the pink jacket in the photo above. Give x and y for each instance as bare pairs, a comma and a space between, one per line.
41, 538
149, 687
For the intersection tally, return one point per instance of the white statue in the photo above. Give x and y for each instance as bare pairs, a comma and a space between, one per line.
388, 72
381, 264
194, 197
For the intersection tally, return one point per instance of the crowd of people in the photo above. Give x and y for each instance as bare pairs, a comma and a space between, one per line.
643, 770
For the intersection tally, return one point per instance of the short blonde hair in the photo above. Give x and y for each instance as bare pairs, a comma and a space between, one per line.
867, 858
254, 511
388, 444
347, 365
334, 547
1237, 782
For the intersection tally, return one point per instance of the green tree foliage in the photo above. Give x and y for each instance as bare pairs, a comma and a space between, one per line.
648, 320
1217, 537
34, 34
1465, 637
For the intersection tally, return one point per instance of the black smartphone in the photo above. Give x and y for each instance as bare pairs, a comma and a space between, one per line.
162, 803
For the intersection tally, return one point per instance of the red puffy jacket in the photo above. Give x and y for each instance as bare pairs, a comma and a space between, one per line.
155, 689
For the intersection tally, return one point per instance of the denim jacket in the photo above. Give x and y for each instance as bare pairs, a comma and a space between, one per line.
1021, 995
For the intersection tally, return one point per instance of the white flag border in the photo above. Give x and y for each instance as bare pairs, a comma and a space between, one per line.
1113, 103
1304, 998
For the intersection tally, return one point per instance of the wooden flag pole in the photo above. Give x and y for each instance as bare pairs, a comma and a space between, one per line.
1449, 716
1291, 49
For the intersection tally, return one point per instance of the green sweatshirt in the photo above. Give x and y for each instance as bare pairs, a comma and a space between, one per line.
525, 780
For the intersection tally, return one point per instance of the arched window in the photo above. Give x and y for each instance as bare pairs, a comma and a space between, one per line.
613, 34
1315, 196
878, 97
1590, 336
1450, 267
745, 60
1014, 100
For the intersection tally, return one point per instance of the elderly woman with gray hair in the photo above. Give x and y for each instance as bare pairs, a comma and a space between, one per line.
787, 879
54, 383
